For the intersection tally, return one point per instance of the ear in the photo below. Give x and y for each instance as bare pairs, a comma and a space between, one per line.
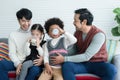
84, 22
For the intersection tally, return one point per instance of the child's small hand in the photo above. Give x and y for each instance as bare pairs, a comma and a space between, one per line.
48, 69
29, 39
61, 30
18, 69
38, 62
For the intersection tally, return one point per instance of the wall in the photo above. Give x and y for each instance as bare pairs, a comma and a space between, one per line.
64, 9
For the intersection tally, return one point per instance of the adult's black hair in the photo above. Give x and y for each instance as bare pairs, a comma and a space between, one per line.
24, 12
85, 14
40, 29
53, 21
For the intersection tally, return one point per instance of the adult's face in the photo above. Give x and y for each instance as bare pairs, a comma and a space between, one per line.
77, 22
24, 24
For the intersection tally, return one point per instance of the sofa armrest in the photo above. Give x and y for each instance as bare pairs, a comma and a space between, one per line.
5, 40
116, 62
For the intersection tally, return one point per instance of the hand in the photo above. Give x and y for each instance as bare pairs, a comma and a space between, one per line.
57, 59
38, 62
29, 39
61, 30
18, 69
48, 69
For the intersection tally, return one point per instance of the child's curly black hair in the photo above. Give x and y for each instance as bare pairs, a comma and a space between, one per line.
53, 21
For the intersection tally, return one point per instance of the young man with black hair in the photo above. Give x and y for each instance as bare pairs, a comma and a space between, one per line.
17, 42
91, 56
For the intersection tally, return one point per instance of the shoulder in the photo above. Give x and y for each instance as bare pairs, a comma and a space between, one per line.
46, 42
14, 33
42, 43
100, 36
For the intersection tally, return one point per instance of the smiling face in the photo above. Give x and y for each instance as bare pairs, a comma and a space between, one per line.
24, 24
77, 22
51, 32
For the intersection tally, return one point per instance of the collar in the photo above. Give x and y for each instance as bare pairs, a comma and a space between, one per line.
21, 30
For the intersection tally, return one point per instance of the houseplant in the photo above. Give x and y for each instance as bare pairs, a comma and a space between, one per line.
116, 30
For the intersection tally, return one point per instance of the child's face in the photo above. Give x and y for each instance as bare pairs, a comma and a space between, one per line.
52, 31
36, 34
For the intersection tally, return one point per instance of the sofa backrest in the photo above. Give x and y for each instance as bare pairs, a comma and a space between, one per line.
113, 47
5, 40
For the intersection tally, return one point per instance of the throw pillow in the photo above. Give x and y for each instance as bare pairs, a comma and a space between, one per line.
4, 51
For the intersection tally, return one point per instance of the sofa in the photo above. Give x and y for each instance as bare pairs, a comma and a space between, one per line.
113, 52
113, 49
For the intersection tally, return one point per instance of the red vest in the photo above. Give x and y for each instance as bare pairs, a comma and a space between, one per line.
101, 55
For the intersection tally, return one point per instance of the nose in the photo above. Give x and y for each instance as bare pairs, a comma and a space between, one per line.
26, 23
73, 22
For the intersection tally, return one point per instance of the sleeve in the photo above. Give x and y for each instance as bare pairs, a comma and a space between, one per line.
12, 51
27, 49
46, 54
40, 51
93, 48
69, 39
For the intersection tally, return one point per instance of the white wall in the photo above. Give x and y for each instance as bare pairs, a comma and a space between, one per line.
64, 9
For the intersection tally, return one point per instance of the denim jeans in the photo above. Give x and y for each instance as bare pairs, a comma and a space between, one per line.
104, 70
33, 72
5, 66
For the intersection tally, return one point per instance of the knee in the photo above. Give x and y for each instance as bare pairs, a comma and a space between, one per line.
25, 66
111, 71
67, 66
35, 69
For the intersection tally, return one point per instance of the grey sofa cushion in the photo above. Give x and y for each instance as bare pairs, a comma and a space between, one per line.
5, 40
